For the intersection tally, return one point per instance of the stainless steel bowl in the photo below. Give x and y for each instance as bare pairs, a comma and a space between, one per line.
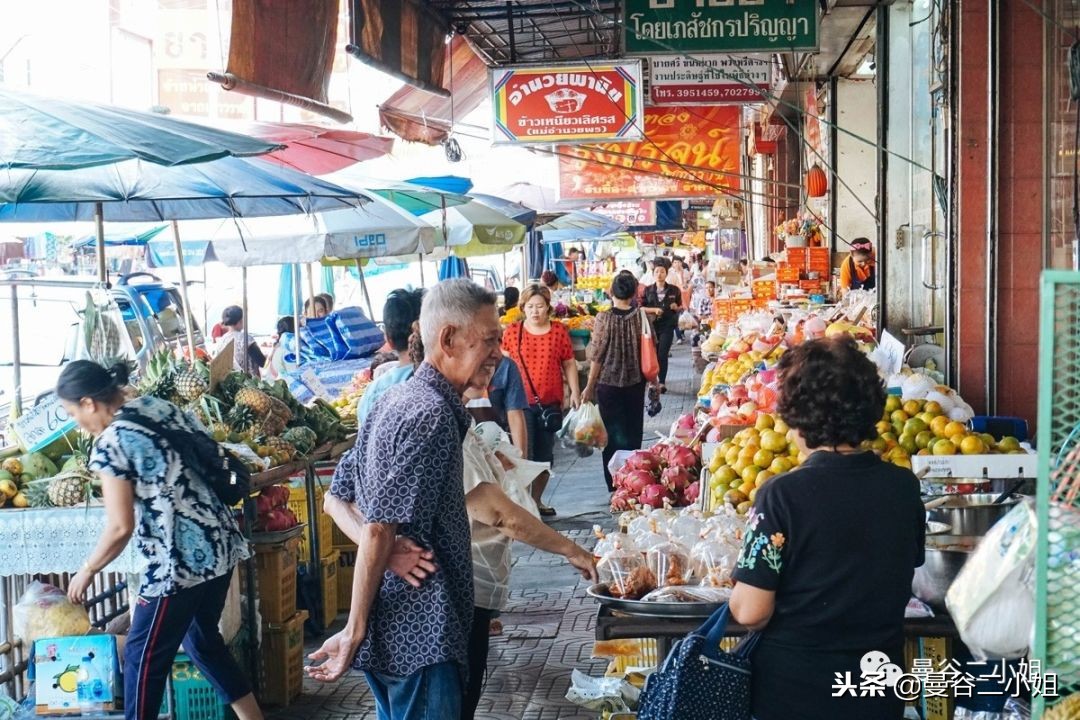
971, 514
937, 528
945, 556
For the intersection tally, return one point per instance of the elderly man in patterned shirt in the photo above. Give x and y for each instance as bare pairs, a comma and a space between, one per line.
405, 478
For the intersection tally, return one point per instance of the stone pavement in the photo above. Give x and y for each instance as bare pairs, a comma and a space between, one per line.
549, 621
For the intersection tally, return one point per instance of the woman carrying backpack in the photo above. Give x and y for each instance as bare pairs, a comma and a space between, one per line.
187, 534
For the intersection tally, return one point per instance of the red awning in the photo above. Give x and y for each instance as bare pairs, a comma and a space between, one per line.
419, 116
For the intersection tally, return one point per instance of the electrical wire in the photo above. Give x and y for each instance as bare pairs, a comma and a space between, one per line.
766, 95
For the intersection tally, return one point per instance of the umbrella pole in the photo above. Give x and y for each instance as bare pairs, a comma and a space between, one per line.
421, 257
99, 221
16, 355
311, 286
244, 310
297, 303
363, 286
189, 320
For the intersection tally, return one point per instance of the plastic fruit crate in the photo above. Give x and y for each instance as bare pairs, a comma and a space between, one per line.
281, 660
275, 570
328, 581
322, 522
346, 568
194, 698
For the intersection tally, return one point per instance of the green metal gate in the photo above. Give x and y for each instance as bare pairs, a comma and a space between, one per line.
1057, 612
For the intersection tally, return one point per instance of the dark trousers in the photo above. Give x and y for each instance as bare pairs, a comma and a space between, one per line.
190, 615
541, 441
623, 412
664, 338
479, 642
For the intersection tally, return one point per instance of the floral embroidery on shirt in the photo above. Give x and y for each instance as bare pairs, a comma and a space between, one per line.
761, 545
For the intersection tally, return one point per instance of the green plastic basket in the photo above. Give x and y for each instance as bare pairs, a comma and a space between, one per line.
194, 698
1057, 610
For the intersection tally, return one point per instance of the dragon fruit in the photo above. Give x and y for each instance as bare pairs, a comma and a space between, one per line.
677, 479
655, 495
645, 460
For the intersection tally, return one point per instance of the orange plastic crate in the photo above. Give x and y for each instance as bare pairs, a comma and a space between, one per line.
786, 272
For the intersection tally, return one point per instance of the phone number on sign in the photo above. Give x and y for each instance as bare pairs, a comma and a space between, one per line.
703, 94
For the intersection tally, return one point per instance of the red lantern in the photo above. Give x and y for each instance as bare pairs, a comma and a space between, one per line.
817, 183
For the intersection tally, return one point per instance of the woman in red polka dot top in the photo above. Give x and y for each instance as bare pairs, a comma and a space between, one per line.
542, 351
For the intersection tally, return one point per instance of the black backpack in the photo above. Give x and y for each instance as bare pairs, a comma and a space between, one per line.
226, 474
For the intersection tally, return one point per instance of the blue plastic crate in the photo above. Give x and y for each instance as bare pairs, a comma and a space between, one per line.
1000, 426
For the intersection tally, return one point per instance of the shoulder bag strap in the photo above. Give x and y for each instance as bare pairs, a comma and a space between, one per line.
646, 324
524, 365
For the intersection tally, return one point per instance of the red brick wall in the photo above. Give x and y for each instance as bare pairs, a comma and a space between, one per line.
1020, 172
1020, 206
972, 181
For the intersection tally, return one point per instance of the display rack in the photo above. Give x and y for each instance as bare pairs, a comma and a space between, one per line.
1057, 571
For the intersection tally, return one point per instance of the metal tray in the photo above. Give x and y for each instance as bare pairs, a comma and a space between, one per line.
673, 610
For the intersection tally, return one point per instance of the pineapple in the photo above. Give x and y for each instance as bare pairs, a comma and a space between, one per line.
68, 489
159, 378
257, 400
241, 418
190, 383
282, 446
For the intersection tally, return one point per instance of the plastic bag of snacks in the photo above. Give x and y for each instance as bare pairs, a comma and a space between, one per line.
625, 574
589, 429
44, 611
669, 563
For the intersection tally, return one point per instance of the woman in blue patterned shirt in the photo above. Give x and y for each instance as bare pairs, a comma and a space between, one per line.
188, 536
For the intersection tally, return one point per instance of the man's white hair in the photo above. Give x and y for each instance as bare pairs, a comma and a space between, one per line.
451, 302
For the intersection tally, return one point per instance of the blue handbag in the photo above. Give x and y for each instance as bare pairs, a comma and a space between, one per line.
699, 681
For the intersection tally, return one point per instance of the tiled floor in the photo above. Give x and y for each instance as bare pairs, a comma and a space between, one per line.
548, 621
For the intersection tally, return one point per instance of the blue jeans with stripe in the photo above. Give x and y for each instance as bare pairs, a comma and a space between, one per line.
158, 627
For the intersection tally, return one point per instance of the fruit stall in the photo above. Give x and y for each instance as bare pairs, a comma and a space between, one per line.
51, 517
682, 504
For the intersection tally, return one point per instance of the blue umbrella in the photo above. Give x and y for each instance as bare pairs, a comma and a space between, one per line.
139, 191
46, 133
128, 239
447, 183
453, 267
516, 211
579, 225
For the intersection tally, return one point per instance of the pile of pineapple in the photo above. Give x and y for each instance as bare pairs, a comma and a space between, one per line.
33, 480
243, 410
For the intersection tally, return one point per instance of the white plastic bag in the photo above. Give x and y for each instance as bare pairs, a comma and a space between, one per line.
44, 611
992, 600
687, 321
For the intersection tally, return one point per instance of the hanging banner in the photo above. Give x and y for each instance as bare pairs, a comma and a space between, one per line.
708, 79
567, 103
688, 152
678, 26
632, 213
162, 253
402, 38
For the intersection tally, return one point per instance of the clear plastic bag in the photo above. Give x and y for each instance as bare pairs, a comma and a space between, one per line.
588, 428
669, 562
992, 600
713, 561
625, 574
689, 593
687, 321
44, 611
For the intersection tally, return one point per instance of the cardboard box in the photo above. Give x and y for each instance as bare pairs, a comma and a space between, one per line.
978, 467
64, 666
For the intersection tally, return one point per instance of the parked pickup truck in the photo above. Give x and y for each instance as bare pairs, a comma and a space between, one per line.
148, 312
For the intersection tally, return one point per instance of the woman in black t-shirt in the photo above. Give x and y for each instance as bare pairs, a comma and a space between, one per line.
830, 549
663, 303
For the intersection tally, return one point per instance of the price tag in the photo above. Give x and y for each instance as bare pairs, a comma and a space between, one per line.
43, 424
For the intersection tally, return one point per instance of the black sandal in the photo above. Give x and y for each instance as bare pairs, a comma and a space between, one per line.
547, 511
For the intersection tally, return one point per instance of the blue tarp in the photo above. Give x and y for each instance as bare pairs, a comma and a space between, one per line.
162, 253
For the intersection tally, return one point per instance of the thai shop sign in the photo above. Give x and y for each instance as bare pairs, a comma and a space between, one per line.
709, 78
690, 151
633, 213
567, 103
680, 26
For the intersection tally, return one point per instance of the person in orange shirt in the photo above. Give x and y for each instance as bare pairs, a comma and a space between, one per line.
857, 270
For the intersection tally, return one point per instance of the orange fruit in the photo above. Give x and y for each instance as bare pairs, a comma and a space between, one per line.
972, 445
932, 406
764, 422
938, 425
912, 407
762, 478
943, 447
750, 473
763, 458
954, 428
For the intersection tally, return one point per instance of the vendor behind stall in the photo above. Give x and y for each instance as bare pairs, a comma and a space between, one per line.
857, 270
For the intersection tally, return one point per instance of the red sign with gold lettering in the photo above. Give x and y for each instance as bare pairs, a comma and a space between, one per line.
687, 152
